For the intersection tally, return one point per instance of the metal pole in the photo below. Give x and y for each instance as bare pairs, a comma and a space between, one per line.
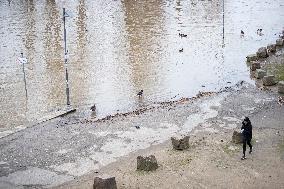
22, 55
223, 21
65, 60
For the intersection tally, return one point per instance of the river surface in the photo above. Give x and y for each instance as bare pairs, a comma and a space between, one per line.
116, 48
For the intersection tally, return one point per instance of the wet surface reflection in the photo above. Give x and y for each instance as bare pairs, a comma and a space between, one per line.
117, 48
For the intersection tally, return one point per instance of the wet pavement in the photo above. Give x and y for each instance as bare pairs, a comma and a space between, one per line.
117, 48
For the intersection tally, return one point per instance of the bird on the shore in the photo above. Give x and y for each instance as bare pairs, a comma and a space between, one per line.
242, 32
93, 108
259, 31
137, 127
140, 93
181, 50
182, 35
280, 100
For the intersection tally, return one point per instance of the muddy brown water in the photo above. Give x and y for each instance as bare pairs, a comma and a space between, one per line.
116, 48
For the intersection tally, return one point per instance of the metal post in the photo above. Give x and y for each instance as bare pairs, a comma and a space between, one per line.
223, 21
22, 56
65, 59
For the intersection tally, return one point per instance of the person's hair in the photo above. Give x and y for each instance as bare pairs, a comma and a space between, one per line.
247, 120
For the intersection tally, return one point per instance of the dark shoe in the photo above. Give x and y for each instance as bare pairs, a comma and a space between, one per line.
250, 151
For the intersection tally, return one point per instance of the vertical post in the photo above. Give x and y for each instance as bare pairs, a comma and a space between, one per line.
22, 56
223, 22
65, 60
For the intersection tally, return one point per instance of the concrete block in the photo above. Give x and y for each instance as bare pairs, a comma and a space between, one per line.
237, 137
147, 163
180, 143
104, 182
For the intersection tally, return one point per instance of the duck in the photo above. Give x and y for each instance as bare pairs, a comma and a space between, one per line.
259, 31
93, 108
280, 100
242, 32
140, 93
182, 35
181, 50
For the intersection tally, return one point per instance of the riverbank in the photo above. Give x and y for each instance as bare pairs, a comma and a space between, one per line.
54, 153
212, 160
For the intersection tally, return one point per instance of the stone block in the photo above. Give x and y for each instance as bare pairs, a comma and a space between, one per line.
104, 182
262, 52
147, 163
269, 80
259, 74
279, 42
254, 66
281, 87
180, 143
237, 137
271, 48
251, 57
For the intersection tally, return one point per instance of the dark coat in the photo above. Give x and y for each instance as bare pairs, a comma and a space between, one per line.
247, 127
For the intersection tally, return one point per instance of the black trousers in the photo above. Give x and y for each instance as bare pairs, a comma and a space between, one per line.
246, 141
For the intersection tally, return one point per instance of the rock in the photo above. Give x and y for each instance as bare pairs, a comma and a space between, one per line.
279, 42
180, 143
271, 48
251, 57
259, 74
147, 163
269, 80
254, 66
104, 183
237, 137
262, 52
281, 87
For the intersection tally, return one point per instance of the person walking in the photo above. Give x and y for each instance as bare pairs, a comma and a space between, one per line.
247, 136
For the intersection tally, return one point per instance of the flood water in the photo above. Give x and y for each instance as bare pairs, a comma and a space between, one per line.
116, 48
